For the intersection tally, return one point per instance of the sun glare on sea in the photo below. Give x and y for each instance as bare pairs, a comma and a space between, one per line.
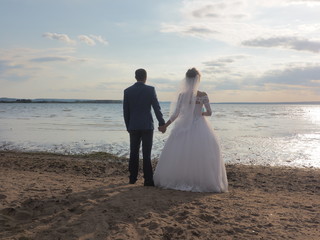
313, 139
313, 114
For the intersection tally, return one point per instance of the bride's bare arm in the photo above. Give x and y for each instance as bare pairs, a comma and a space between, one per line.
206, 104
173, 117
176, 112
168, 123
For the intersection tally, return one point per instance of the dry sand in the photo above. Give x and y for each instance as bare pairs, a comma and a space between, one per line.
47, 196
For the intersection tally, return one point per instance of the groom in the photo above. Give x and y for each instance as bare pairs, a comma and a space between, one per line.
137, 103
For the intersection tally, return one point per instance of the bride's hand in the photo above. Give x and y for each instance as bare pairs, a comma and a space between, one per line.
162, 129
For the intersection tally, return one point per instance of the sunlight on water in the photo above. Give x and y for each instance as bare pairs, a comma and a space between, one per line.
313, 113
263, 134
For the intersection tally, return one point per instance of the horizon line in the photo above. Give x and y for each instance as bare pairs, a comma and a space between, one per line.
34, 100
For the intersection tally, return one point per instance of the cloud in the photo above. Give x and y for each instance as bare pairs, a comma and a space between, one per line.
65, 58
223, 10
87, 40
277, 3
110, 86
303, 75
221, 65
5, 66
237, 21
299, 44
22, 64
229, 85
293, 75
304, 1
91, 40
208, 11
201, 31
164, 84
161, 81
16, 78
210, 19
99, 39
50, 59
218, 62
10, 72
219, 21
60, 37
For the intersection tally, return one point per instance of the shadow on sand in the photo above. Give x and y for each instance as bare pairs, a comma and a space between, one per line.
122, 211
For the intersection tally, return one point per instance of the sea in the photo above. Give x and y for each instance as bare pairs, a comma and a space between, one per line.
254, 134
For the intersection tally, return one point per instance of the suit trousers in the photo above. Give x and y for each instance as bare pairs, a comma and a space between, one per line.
136, 137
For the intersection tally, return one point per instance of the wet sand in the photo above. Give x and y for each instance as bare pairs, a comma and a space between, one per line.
48, 196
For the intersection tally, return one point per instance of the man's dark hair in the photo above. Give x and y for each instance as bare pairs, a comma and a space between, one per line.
141, 74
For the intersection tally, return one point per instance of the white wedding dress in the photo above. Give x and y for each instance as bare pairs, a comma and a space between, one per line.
191, 158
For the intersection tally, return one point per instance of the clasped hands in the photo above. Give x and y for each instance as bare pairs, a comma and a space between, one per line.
162, 128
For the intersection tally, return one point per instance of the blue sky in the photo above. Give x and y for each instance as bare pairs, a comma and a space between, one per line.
246, 50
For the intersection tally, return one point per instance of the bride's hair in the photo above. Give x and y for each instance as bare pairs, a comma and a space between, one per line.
192, 73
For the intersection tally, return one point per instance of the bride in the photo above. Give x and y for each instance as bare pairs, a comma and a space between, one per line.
191, 158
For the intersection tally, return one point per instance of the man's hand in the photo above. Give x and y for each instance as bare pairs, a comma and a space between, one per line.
162, 128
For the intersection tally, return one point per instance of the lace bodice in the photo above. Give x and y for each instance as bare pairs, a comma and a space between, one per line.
200, 102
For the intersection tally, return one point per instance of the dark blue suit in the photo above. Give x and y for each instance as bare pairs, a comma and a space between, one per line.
137, 102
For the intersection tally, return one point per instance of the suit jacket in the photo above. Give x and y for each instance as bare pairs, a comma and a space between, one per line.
137, 102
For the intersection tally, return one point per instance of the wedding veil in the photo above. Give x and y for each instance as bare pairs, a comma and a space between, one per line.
182, 108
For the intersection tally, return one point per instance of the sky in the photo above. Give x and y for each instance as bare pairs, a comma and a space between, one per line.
246, 50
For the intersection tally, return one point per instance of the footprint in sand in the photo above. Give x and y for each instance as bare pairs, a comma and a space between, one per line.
76, 210
169, 231
151, 225
182, 215
2, 196
209, 218
14, 214
189, 207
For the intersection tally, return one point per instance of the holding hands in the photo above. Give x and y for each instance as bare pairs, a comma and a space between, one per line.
162, 128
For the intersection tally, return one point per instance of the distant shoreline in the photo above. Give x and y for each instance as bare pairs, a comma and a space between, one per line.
43, 100
4, 100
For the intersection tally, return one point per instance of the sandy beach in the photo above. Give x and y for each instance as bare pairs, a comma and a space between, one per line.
48, 196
